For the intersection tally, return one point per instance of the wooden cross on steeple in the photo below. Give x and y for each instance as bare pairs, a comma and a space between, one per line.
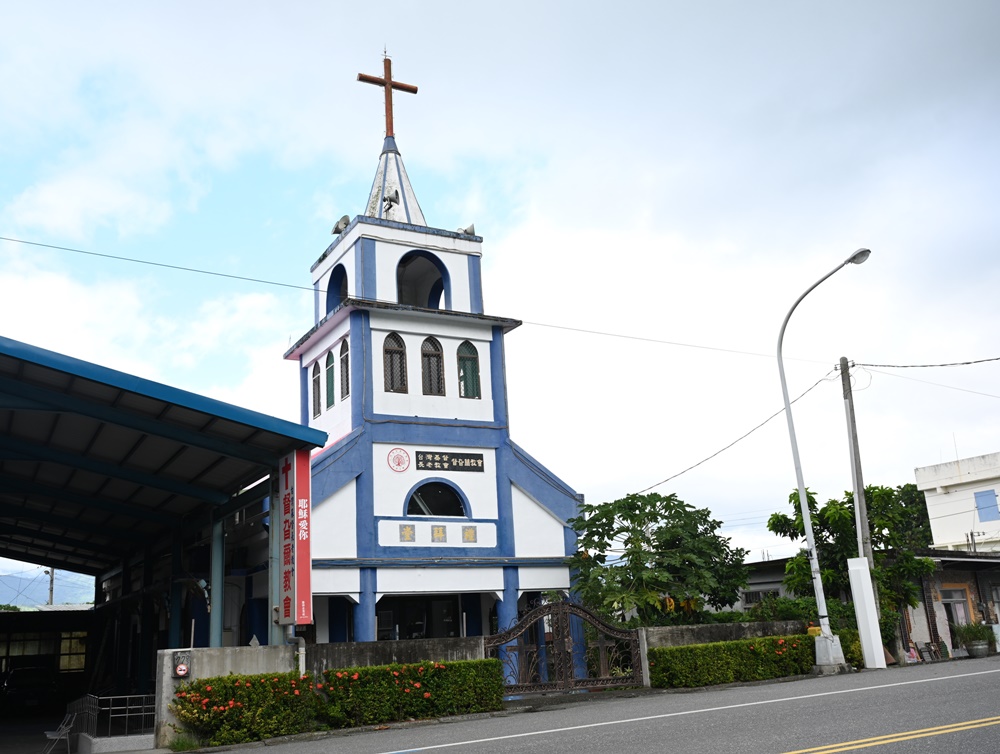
388, 84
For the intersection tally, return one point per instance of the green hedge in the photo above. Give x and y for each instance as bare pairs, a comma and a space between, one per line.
238, 709
725, 662
366, 696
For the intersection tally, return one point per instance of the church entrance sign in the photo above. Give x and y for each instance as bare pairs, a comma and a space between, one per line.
563, 646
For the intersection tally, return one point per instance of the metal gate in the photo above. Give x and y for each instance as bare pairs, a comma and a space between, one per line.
563, 646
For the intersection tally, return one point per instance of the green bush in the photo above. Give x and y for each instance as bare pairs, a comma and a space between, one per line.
725, 662
367, 696
850, 644
237, 708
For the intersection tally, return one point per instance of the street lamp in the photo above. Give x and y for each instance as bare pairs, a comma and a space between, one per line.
828, 651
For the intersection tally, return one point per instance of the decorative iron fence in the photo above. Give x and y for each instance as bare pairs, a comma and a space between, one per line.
563, 646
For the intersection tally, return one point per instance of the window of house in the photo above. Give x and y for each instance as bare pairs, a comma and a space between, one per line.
986, 505
317, 406
757, 595
435, 499
330, 374
345, 370
432, 367
468, 371
394, 363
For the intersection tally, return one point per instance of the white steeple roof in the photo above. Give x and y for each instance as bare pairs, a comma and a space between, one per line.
392, 196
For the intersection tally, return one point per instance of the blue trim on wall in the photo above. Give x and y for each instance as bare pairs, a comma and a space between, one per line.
317, 287
366, 532
333, 299
466, 506
365, 276
507, 607
475, 285
364, 612
431, 553
361, 367
408, 430
436, 561
505, 504
498, 377
304, 393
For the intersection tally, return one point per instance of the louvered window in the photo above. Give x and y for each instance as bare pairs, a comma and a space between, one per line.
330, 375
468, 371
345, 370
394, 363
432, 367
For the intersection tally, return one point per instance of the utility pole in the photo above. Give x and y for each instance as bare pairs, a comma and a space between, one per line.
860, 505
52, 583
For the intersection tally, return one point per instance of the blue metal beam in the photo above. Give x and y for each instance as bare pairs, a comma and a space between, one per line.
11, 484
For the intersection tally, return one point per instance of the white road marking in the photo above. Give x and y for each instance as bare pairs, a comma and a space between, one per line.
687, 712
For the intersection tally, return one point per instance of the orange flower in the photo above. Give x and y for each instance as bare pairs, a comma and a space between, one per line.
319, 685
427, 695
394, 672
208, 688
406, 690
354, 677
339, 675
296, 692
417, 684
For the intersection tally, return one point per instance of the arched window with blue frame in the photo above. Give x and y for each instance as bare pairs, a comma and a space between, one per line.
432, 367
316, 398
345, 370
394, 363
422, 280
336, 288
435, 499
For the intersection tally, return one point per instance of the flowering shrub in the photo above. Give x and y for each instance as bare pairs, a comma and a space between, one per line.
237, 708
366, 696
726, 662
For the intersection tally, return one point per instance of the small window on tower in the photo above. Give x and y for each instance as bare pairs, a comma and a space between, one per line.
468, 371
394, 363
317, 405
432, 367
345, 370
330, 374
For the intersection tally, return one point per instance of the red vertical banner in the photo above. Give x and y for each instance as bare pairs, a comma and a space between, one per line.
294, 506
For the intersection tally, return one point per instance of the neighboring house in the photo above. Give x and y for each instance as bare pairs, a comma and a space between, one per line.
764, 578
964, 588
962, 502
427, 520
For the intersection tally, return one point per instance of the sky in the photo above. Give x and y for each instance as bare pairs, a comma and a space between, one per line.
656, 183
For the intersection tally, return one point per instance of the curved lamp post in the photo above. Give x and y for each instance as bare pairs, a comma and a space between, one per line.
828, 651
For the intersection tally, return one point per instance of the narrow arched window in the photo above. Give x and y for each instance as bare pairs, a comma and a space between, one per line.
345, 370
394, 363
435, 499
432, 367
468, 371
317, 405
330, 375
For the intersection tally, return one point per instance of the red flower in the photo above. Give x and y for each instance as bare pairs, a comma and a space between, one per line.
232, 702
406, 690
427, 695
208, 688
248, 684
319, 685
417, 684
354, 677
394, 672
296, 692
339, 675
781, 641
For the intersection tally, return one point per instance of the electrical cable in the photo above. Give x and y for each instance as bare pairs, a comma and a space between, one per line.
824, 378
930, 366
936, 384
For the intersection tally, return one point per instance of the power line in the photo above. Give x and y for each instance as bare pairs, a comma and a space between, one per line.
738, 439
936, 384
929, 366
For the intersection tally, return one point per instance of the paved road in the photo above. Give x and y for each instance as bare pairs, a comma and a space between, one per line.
821, 715
944, 707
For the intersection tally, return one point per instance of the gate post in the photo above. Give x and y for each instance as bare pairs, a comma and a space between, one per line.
644, 657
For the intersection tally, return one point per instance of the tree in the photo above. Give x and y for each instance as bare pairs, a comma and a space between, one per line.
899, 526
646, 556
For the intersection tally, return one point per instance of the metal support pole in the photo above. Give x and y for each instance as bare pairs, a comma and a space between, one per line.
828, 651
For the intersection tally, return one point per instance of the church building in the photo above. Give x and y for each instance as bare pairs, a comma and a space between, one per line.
427, 520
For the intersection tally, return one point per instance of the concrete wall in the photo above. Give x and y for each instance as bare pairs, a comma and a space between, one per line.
676, 636
320, 657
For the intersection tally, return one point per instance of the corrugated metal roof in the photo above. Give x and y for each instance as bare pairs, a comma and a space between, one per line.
96, 464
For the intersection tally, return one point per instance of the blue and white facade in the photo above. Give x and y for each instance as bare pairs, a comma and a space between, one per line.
427, 520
